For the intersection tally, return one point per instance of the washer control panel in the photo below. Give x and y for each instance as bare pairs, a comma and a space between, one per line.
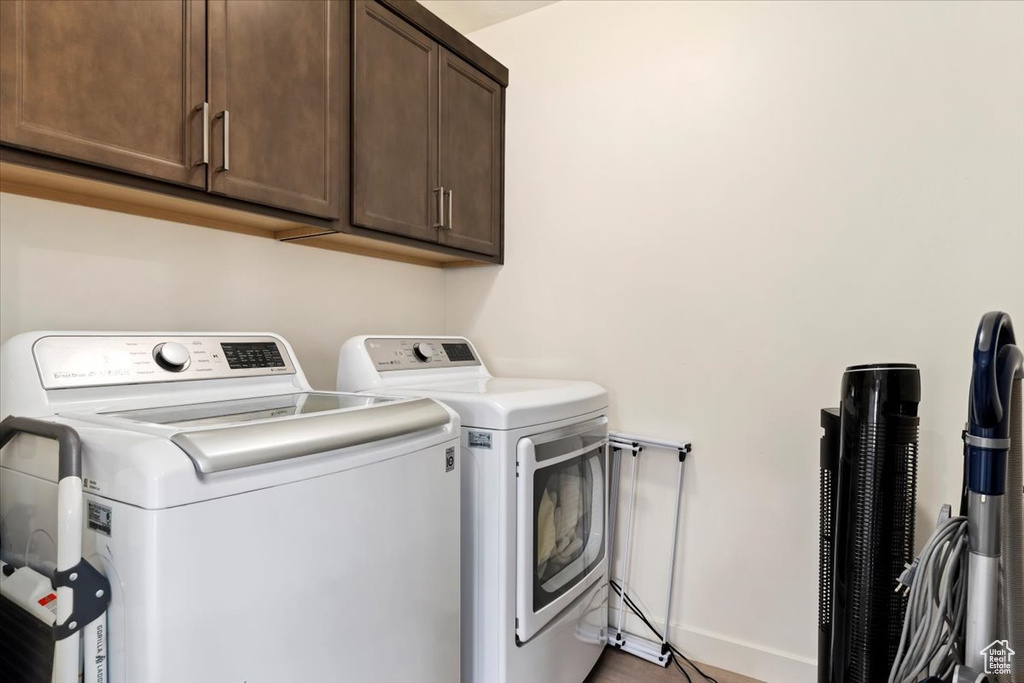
87, 361
419, 353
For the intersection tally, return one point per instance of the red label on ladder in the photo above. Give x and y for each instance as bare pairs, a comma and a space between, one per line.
49, 602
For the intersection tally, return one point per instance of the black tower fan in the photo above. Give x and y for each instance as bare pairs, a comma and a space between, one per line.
868, 488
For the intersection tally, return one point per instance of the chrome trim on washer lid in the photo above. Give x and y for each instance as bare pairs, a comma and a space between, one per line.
228, 448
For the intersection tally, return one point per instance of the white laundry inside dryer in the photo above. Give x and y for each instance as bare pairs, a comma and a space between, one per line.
563, 523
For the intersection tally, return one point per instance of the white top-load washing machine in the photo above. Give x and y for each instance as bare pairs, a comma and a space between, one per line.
534, 459
251, 529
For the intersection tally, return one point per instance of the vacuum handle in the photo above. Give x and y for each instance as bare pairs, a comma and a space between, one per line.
997, 361
990, 394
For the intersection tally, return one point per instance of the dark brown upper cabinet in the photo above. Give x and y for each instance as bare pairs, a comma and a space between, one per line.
119, 84
427, 142
275, 99
394, 124
470, 156
125, 85
368, 126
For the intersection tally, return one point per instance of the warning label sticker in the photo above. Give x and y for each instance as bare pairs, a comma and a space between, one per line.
49, 602
99, 518
479, 439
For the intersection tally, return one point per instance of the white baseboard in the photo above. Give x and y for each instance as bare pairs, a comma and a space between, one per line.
749, 659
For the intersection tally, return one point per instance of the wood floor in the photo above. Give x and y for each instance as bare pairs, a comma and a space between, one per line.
616, 666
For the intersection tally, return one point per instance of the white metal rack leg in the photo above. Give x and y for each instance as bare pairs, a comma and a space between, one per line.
672, 558
635, 451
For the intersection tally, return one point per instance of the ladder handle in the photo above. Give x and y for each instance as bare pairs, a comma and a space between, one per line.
70, 452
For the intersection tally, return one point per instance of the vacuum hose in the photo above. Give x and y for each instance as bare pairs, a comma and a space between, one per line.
1011, 594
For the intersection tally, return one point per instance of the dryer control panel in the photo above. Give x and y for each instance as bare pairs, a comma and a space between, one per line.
67, 361
389, 353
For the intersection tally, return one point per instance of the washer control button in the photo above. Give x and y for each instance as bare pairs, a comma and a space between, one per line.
423, 351
171, 356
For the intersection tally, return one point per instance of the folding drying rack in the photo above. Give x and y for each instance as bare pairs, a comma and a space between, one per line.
619, 443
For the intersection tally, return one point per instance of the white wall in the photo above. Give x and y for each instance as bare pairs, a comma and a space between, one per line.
712, 209
70, 267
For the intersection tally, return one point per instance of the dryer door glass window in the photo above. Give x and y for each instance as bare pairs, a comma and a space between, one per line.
568, 524
568, 519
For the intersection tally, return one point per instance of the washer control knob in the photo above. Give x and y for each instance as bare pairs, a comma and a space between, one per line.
423, 351
171, 356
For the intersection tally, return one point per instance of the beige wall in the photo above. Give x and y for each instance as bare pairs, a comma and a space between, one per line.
69, 267
712, 209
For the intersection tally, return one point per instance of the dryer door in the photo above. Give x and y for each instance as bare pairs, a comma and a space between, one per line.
561, 520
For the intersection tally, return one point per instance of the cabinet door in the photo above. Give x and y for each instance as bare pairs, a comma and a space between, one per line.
275, 92
471, 156
394, 125
107, 82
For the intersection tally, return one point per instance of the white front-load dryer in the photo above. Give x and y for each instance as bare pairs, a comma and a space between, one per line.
534, 504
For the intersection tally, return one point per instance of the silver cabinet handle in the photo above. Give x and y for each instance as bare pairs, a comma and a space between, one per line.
205, 108
451, 208
439, 193
226, 165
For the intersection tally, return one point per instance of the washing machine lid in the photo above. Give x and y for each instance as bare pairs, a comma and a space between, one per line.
511, 403
232, 434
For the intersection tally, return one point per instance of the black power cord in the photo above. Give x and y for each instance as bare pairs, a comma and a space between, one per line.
675, 651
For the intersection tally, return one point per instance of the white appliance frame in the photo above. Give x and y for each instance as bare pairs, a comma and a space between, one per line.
566, 649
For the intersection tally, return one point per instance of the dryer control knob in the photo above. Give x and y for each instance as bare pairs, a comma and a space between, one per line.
423, 351
171, 356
